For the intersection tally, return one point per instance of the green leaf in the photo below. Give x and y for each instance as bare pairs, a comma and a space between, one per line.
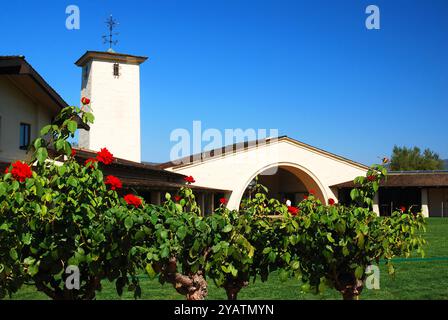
181, 233
41, 155
45, 130
89, 117
72, 181
26, 238
227, 228
59, 144
359, 272
72, 126
13, 254
150, 270
165, 252
3, 188
128, 223
354, 194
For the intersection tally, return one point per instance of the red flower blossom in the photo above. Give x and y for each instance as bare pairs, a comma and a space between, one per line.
21, 171
305, 197
114, 182
371, 178
177, 198
189, 179
6, 170
312, 192
223, 201
133, 200
89, 162
402, 208
293, 210
85, 100
331, 201
104, 156
73, 152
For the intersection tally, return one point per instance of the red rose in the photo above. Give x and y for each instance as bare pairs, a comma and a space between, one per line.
85, 100
402, 208
293, 210
305, 197
21, 171
312, 192
114, 182
331, 201
177, 198
189, 179
223, 201
104, 156
89, 162
371, 178
133, 200
6, 170
73, 152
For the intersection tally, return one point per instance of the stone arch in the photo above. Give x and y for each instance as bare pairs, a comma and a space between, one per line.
308, 178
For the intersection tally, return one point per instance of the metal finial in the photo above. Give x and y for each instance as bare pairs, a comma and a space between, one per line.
111, 25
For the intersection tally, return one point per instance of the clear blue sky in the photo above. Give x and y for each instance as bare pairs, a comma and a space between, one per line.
309, 68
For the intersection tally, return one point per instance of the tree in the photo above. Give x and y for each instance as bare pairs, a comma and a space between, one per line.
408, 159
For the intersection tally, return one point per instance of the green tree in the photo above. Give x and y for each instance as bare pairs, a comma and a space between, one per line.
407, 159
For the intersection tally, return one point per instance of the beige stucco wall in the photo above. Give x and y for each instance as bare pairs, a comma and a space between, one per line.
234, 171
16, 107
115, 103
438, 202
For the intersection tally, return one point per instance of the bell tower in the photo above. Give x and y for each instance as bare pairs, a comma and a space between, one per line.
112, 82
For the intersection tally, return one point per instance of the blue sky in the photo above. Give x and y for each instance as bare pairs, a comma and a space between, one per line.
308, 68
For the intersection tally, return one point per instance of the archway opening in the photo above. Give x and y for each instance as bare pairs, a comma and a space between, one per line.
287, 183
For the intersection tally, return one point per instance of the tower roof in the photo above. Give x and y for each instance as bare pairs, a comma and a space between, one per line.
109, 56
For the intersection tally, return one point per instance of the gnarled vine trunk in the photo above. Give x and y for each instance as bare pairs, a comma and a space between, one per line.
349, 286
233, 287
192, 286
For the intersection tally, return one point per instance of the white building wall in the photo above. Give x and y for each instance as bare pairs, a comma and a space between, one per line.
115, 103
235, 171
17, 107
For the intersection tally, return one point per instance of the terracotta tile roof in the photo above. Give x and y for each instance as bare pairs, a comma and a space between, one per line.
409, 179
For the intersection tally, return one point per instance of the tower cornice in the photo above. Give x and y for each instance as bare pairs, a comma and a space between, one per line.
109, 56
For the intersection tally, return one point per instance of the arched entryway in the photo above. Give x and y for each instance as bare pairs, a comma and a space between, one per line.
287, 181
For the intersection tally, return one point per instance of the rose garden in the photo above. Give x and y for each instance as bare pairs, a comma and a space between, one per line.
57, 212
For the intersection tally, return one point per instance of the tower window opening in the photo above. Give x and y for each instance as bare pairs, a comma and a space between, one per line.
116, 70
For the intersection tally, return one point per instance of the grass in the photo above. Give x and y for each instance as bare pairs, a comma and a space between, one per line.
415, 279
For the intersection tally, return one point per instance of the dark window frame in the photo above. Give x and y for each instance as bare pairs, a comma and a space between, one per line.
26, 138
116, 69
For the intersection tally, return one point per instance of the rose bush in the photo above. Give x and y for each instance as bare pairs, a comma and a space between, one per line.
336, 243
62, 213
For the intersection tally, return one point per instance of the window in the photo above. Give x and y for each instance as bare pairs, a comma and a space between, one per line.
116, 70
25, 131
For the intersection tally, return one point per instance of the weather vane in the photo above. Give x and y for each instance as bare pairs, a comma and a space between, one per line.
111, 25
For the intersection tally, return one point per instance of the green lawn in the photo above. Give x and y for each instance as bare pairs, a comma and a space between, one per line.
414, 279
